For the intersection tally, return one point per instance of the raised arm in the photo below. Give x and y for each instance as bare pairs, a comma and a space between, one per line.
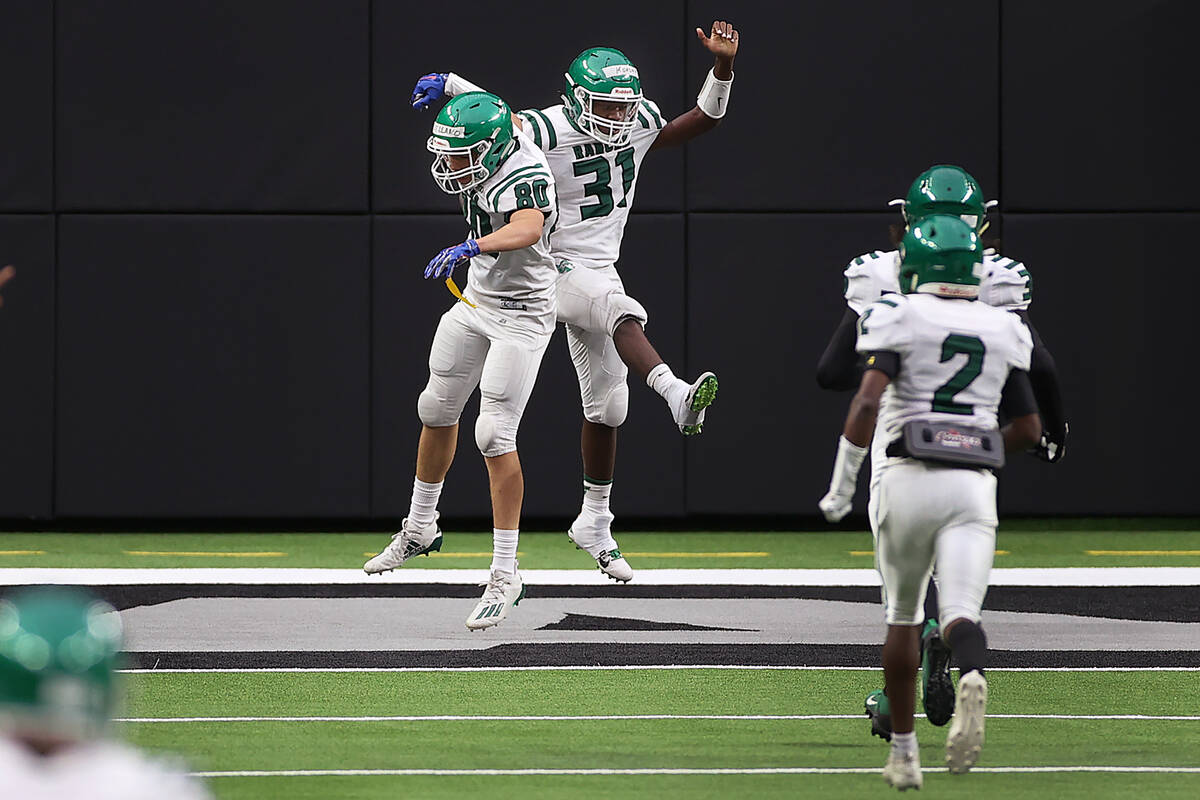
714, 94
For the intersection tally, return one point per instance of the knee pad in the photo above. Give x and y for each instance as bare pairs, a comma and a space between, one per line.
433, 410
621, 307
493, 435
615, 408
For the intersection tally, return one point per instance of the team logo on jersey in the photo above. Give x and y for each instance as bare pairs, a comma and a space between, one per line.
958, 440
451, 131
620, 71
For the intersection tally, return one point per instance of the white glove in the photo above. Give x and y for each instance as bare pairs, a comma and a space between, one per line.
838, 501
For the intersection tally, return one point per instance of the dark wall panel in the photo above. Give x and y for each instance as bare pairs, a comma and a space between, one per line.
26, 84
213, 366
1120, 353
1098, 106
521, 57
769, 442
649, 477
838, 106
27, 353
191, 105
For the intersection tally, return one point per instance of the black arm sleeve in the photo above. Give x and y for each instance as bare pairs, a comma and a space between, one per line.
1043, 375
1016, 399
838, 368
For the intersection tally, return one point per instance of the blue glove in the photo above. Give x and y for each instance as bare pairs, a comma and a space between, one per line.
429, 88
443, 264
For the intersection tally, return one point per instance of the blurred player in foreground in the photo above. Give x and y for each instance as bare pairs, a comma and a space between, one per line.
494, 338
595, 141
58, 692
936, 364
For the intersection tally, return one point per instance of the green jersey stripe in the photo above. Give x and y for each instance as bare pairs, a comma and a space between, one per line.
533, 126
520, 175
551, 136
657, 119
492, 194
642, 119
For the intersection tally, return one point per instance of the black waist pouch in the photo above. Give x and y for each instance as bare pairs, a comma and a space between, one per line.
950, 444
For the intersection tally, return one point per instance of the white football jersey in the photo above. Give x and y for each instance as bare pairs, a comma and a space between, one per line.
595, 182
515, 280
100, 770
1006, 283
955, 357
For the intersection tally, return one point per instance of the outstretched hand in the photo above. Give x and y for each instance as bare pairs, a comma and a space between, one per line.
723, 41
6, 275
429, 89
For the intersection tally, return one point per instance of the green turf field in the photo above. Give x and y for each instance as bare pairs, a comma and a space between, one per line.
1069, 543
582, 743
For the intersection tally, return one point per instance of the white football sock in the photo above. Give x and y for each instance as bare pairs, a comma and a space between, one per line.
422, 511
504, 549
595, 498
904, 744
672, 389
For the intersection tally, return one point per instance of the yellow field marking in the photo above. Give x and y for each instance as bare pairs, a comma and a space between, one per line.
488, 554
202, 554
872, 552
22, 552
698, 555
1142, 552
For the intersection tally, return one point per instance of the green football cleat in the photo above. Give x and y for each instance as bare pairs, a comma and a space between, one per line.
937, 686
880, 714
699, 397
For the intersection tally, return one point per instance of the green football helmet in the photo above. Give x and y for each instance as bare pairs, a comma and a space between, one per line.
58, 656
941, 255
946, 189
476, 126
603, 74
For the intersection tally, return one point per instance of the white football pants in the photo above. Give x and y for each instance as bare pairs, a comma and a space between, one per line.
499, 354
924, 515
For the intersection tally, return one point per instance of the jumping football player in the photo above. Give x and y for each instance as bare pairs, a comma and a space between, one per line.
1005, 284
494, 338
595, 141
937, 362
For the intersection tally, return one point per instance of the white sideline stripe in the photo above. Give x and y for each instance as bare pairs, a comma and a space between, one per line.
306, 773
587, 667
605, 717
1066, 576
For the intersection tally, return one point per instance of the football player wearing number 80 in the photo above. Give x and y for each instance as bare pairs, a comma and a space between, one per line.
494, 339
939, 364
595, 141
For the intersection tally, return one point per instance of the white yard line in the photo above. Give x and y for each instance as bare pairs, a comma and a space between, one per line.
606, 717
1070, 576
587, 667
307, 773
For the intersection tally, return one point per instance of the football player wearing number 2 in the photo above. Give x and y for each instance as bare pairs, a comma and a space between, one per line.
595, 141
493, 339
937, 363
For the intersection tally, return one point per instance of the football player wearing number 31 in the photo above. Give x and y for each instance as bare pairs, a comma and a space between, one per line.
595, 141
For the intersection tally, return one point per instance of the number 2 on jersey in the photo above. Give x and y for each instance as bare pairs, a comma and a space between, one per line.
959, 344
600, 188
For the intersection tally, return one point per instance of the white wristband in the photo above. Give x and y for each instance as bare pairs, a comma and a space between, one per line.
456, 84
714, 95
846, 466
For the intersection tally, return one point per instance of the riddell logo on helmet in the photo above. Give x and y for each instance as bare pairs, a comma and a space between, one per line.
958, 440
448, 130
620, 71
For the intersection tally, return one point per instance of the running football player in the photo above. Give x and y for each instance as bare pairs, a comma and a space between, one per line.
595, 141
493, 338
937, 362
1005, 284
